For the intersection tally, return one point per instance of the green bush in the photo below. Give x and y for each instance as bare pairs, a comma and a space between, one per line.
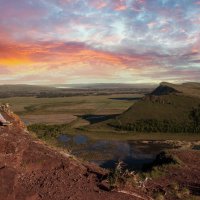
47, 131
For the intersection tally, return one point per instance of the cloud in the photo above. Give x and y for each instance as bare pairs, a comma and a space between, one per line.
198, 2
98, 4
99, 39
120, 5
4, 70
68, 53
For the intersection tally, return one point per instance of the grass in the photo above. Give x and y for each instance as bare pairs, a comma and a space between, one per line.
123, 136
164, 162
168, 107
193, 198
72, 106
121, 176
65, 110
175, 193
160, 166
159, 196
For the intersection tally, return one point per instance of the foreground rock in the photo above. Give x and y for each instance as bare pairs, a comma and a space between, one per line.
31, 170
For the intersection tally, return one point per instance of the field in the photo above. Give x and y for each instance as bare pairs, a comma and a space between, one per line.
80, 111
69, 109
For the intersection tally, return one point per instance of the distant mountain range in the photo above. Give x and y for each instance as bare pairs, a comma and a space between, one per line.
105, 85
63, 90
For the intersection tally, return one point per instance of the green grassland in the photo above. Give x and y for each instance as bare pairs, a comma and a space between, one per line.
70, 111
67, 109
169, 108
51, 132
173, 107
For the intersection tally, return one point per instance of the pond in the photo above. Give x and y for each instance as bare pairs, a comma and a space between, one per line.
196, 147
106, 153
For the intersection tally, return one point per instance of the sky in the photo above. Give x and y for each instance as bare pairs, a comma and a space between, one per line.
99, 41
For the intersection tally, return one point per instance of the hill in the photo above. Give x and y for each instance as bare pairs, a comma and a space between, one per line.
188, 89
167, 109
31, 170
24, 90
164, 89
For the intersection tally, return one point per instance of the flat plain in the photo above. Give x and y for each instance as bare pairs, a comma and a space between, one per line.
81, 112
68, 109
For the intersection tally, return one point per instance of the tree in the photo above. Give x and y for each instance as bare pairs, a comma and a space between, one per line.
195, 116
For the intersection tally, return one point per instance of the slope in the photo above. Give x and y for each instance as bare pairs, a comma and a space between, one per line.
168, 102
30, 170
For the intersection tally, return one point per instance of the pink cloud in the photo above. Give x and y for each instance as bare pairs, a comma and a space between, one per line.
98, 4
4, 70
58, 55
151, 24
141, 1
119, 5
120, 8
138, 5
21, 10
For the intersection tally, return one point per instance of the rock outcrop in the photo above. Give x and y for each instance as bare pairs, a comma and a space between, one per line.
164, 89
31, 170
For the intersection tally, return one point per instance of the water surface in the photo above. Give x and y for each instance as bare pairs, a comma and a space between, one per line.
106, 153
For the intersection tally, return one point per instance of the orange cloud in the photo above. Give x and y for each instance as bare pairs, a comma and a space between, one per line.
120, 5
67, 57
13, 55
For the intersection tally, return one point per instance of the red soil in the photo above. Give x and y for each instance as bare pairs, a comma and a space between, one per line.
30, 170
184, 175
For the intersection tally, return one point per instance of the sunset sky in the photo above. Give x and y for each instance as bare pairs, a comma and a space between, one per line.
99, 41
